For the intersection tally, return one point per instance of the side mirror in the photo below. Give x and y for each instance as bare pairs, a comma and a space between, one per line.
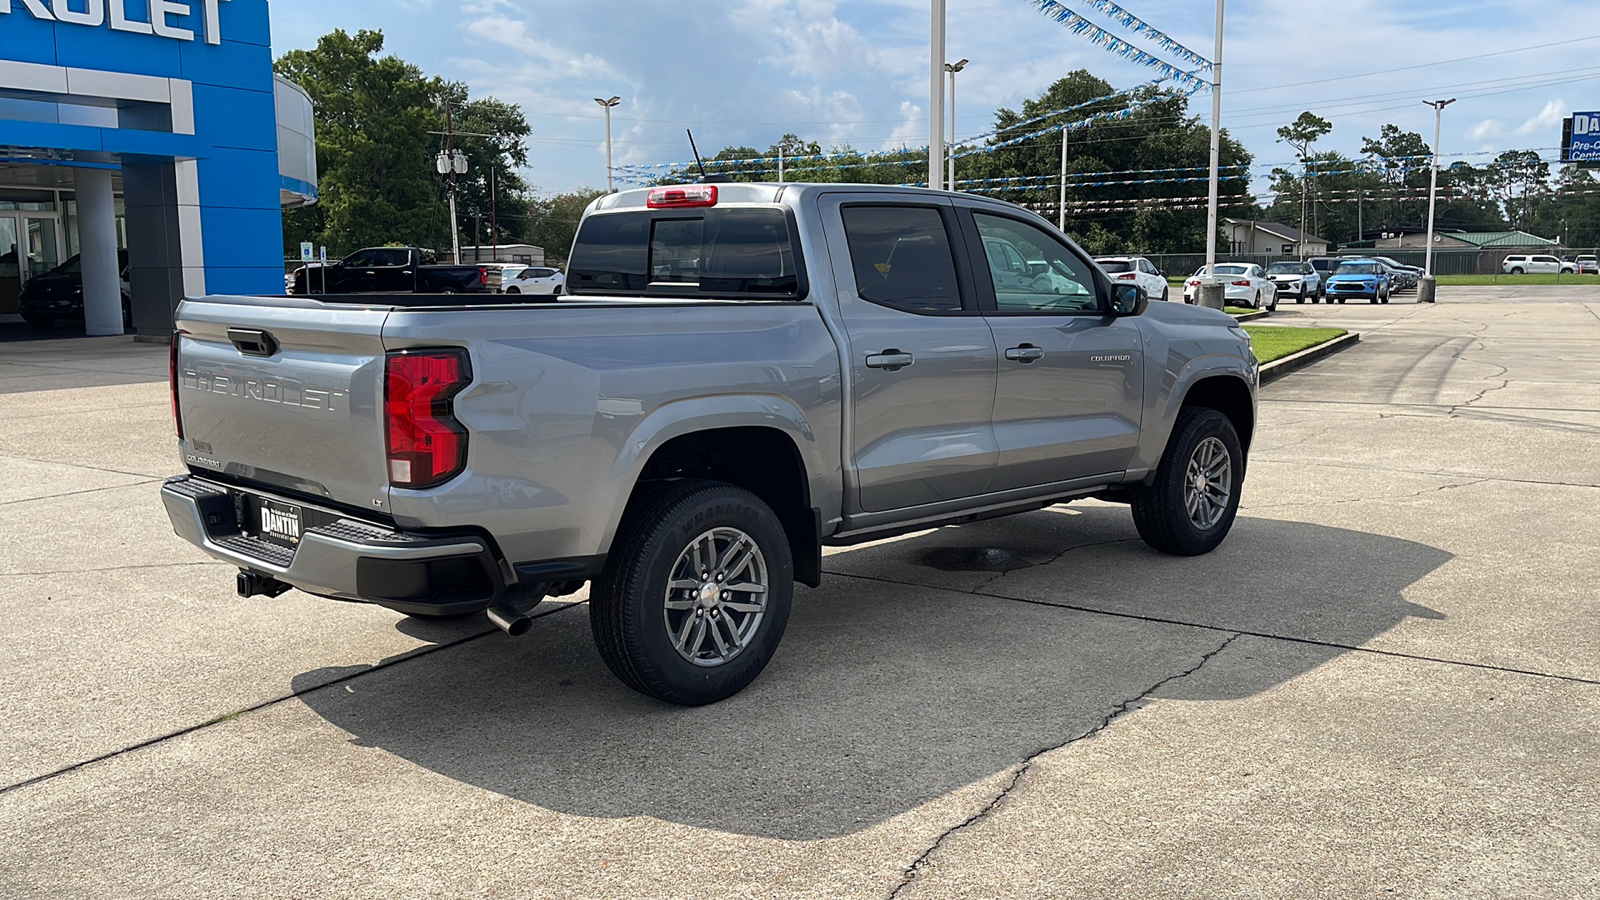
1128, 300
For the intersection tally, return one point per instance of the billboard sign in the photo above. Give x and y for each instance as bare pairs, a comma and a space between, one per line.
1583, 145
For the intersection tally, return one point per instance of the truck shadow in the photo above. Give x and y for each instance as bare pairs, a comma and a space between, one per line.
887, 696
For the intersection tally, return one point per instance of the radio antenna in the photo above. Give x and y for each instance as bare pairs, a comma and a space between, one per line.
696, 152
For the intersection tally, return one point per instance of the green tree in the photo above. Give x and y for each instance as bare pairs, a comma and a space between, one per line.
376, 175
491, 134
1301, 134
1519, 178
552, 222
378, 121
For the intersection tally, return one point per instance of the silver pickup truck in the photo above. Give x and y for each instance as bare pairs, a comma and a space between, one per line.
738, 375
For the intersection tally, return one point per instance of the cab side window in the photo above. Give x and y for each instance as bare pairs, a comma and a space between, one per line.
902, 258
1033, 271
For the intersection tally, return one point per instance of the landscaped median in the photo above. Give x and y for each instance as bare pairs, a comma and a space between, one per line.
1282, 350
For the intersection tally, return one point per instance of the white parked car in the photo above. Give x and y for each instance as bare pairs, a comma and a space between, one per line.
1524, 263
1247, 285
1138, 270
1299, 280
534, 280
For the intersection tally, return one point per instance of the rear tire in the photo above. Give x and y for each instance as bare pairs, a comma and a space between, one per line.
512, 290
1517, 270
672, 633
1191, 506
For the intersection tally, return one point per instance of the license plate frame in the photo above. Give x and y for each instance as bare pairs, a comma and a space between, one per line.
278, 523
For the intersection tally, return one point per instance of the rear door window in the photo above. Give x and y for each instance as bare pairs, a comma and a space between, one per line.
902, 258
733, 252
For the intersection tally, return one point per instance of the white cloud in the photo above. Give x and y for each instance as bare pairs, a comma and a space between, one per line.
744, 72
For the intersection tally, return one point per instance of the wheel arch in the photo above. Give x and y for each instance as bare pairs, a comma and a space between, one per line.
764, 461
1229, 395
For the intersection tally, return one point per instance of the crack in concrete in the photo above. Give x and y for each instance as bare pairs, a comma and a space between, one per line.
1052, 561
1368, 467
73, 465
274, 701
177, 565
1435, 490
923, 861
97, 490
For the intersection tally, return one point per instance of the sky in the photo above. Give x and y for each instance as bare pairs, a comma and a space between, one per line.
744, 72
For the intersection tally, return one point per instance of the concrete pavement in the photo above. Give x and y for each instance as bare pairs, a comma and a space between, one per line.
1386, 682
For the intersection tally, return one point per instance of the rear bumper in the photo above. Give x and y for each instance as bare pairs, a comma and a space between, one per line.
340, 557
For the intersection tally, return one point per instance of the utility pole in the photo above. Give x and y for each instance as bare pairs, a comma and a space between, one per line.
607, 105
953, 68
1061, 204
1425, 291
1216, 148
494, 215
451, 162
936, 98
1305, 179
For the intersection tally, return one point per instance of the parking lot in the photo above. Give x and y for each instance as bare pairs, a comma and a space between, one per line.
1385, 683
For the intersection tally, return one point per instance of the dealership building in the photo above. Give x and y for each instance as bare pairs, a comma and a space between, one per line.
151, 139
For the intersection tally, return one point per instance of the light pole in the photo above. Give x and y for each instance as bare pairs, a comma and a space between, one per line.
1433, 189
953, 68
607, 105
936, 98
1214, 297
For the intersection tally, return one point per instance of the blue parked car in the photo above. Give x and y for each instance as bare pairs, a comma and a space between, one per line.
1360, 278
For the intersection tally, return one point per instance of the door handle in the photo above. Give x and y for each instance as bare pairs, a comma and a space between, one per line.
1025, 354
890, 360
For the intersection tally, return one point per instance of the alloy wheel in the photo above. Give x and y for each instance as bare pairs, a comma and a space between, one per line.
1208, 484
716, 597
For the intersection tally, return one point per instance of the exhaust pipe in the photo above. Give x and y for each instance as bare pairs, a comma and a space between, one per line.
512, 620
513, 611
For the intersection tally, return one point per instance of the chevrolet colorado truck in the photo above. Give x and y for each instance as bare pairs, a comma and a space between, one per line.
737, 375
393, 270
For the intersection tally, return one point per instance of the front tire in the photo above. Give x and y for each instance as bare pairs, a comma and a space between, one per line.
695, 594
512, 290
1166, 294
1191, 506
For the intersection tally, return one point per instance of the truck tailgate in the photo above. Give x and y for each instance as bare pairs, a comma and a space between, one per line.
286, 393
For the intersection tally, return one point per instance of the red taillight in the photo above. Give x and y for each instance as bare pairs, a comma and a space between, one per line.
483, 275
686, 195
1241, 284
172, 369
1129, 276
427, 446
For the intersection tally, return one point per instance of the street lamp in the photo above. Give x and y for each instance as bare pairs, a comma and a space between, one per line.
953, 68
452, 162
607, 104
1216, 157
1433, 190
936, 98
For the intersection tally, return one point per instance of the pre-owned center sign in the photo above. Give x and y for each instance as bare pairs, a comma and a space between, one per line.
1583, 144
97, 13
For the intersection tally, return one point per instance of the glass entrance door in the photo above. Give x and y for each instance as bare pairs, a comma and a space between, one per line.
11, 255
44, 244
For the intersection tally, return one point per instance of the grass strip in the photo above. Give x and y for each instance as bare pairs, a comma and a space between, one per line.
1276, 342
1514, 280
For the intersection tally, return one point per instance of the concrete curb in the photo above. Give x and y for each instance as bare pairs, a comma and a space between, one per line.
1252, 316
1294, 362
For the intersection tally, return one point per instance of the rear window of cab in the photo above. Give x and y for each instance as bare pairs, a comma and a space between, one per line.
730, 252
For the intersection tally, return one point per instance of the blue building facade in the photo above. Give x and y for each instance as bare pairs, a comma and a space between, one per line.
172, 107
